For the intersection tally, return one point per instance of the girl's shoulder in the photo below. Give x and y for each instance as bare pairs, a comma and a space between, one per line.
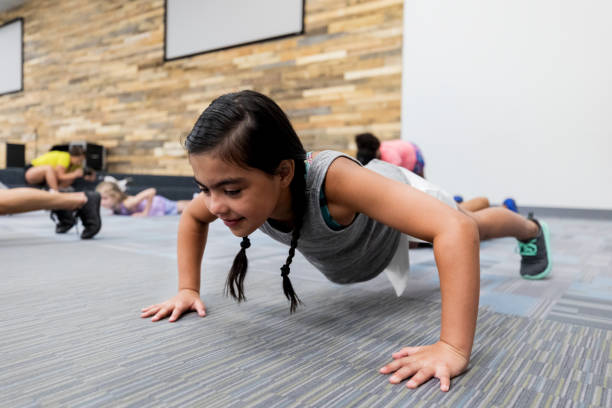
319, 165
323, 160
327, 156
333, 166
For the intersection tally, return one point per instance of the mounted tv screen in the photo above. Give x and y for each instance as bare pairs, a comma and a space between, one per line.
11, 57
199, 26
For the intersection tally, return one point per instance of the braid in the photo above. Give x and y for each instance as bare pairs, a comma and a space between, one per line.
234, 284
298, 204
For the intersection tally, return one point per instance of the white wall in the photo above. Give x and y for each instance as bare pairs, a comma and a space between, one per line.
512, 98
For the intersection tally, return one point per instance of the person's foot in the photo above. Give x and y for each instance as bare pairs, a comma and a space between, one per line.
64, 220
90, 215
536, 260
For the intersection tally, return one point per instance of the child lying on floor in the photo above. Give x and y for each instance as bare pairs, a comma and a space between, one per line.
144, 204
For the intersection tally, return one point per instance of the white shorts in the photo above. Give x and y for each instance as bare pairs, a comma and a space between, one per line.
398, 268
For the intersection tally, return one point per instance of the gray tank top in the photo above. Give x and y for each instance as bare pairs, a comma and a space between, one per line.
356, 253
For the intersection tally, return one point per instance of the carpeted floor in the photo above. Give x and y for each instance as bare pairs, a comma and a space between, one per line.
71, 335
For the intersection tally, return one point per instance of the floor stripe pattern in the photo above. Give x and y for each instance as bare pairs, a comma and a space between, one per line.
71, 335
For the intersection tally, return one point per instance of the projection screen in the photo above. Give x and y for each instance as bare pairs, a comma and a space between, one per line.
199, 26
11, 57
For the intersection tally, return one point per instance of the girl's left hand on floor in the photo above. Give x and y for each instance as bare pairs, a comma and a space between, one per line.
440, 360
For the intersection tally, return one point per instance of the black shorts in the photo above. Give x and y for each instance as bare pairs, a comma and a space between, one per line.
25, 169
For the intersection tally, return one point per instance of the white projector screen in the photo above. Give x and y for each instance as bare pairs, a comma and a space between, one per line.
199, 26
11, 57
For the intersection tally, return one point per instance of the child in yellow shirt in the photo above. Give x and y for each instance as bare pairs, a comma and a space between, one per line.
57, 169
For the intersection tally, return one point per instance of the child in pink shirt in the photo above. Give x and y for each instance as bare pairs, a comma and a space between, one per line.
407, 155
399, 152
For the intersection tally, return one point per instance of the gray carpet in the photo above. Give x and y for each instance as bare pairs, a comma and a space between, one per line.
71, 335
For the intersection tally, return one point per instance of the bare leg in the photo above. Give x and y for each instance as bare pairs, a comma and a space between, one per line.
498, 222
18, 200
475, 204
38, 174
181, 204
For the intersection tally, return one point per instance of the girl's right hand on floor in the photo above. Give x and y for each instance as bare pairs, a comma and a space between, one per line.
185, 300
440, 360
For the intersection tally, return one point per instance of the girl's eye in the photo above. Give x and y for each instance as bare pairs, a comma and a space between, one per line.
232, 193
204, 190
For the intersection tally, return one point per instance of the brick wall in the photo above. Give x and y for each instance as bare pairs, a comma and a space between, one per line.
94, 70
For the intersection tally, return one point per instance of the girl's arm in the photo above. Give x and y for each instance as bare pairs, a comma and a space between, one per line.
64, 175
192, 235
352, 189
134, 201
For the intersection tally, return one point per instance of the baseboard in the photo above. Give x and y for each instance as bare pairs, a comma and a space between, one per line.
587, 213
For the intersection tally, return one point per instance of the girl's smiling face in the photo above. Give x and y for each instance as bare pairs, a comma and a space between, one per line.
243, 198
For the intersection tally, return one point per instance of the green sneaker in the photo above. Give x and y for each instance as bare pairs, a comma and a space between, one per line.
536, 260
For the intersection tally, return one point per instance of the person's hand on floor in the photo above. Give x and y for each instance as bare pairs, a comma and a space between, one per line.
440, 360
185, 300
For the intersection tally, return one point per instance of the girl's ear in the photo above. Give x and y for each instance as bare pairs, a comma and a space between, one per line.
286, 170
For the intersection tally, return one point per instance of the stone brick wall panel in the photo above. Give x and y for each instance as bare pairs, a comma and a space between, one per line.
94, 71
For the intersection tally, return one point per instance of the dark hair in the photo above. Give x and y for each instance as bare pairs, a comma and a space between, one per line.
367, 146
249, 129
76, 150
